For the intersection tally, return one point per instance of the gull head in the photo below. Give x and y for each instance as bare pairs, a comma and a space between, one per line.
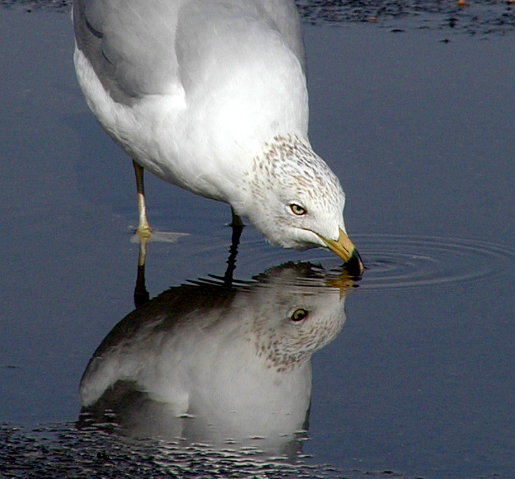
297, 201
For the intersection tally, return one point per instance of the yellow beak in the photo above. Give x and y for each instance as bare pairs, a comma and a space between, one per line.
345, 249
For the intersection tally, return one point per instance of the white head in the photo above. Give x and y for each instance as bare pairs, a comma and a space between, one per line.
297, 202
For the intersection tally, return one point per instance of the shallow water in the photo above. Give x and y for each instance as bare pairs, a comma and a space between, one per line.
416, 377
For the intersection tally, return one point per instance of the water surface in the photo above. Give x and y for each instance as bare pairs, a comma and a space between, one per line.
416, 378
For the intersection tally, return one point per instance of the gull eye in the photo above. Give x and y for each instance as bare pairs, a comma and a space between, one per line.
299, 315
297, 209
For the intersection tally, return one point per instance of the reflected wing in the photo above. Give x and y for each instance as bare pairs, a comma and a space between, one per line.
132, 350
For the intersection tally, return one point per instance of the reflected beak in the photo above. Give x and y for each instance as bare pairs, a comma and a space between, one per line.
344, 282
345, 249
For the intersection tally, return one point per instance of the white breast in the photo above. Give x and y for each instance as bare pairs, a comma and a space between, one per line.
193, 91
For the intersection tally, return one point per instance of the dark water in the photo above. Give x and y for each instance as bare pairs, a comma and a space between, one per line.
414, 380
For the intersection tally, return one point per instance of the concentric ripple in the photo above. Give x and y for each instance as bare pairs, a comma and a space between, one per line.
394, 261
391, 261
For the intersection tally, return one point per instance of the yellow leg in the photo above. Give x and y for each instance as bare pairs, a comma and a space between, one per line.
144, 229
142, 254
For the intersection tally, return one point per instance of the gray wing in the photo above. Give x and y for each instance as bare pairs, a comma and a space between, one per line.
285, 15
132, 44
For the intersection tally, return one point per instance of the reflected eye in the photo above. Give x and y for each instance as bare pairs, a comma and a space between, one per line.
299, 315
297, 209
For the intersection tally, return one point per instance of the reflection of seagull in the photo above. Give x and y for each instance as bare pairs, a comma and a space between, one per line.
211, 96
210, 364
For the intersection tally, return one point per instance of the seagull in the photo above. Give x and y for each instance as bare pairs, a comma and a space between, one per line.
207, 363
211, 96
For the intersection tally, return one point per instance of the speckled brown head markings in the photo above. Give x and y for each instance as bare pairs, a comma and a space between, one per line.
288, 345
289, 162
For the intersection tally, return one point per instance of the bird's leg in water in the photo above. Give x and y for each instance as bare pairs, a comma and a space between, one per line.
144, 230
236, 220
141, 295
237, 227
